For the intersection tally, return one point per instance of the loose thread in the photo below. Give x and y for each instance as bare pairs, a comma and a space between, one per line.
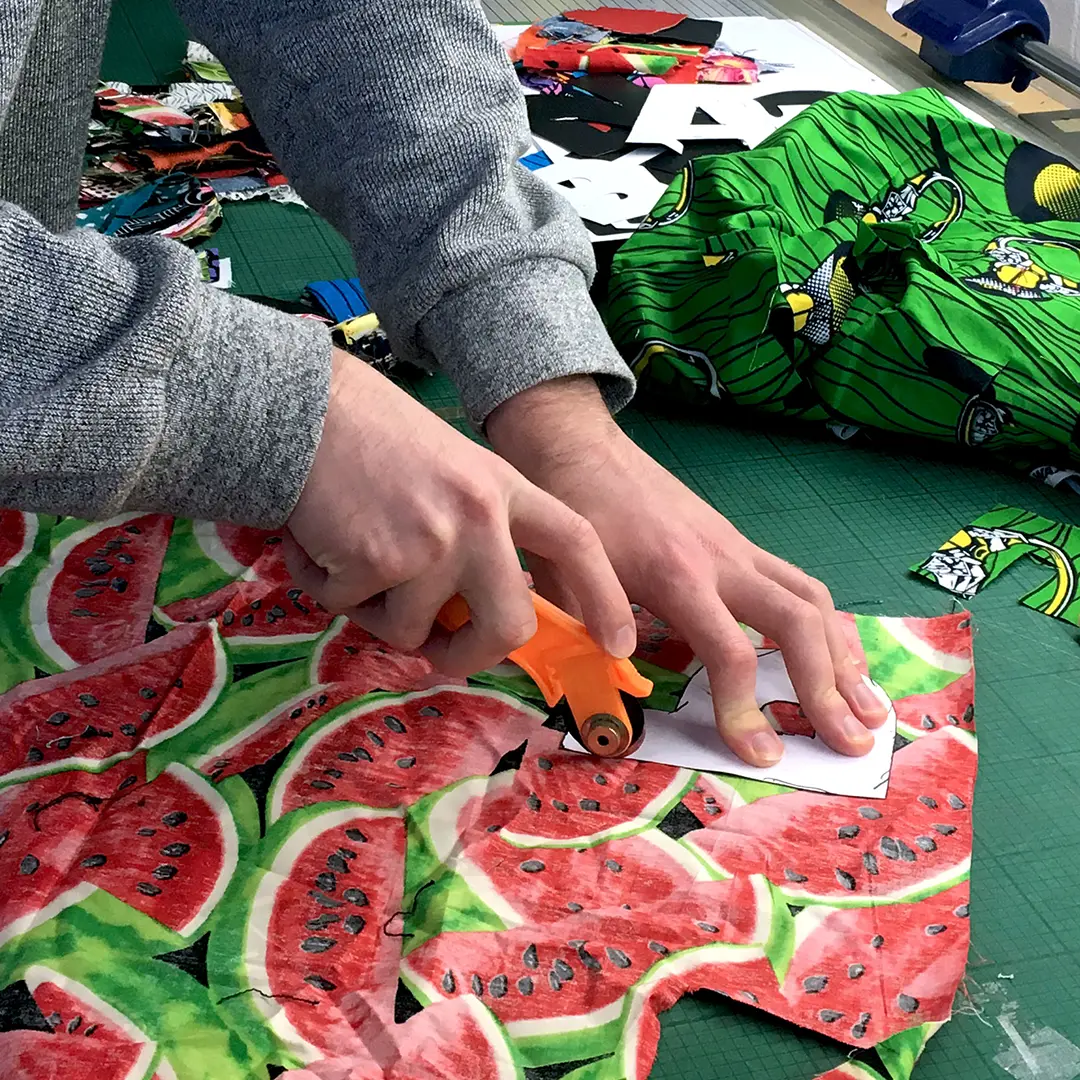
405, 914
271, 997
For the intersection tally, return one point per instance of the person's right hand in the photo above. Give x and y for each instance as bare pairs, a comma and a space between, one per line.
400, 512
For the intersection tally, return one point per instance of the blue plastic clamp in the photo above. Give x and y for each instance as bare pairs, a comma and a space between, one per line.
972, 40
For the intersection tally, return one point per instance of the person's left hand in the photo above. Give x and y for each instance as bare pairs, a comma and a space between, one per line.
690, 566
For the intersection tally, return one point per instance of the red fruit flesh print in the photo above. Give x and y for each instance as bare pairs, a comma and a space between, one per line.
954, 706
393, 750
97, 593
254, 613
87, 1036
17, 534
659, 644
348, 654
458, 1039
837, 850
106, 711
862, 975
611, 799
316, 924
167, 848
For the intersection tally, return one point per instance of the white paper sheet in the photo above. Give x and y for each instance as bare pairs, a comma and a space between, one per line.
607, 192
666, 118
687, 738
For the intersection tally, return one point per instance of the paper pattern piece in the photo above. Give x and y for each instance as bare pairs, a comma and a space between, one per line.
606, 192
687, 738
670, 115
261, 840
980, 553
880, 264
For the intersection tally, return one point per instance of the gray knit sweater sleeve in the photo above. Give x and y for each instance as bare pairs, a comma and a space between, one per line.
401, 122
125, 383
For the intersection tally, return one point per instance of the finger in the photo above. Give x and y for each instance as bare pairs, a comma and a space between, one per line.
404, 616
550, 585
721, 645
338, 593
849, 681
547, 527
797, 627
501, 616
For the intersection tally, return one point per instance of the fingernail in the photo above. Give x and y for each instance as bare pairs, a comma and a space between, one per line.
866, 699
767, 747
625, 643
854, 730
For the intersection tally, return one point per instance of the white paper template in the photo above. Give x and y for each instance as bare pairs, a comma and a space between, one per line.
687, 738
666, 118
607, 192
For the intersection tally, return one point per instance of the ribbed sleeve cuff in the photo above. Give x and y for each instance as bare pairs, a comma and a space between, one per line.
529, 323
244, 406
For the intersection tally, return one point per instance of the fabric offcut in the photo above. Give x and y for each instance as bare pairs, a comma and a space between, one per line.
340, 299
256, 841
980, 553
881, 264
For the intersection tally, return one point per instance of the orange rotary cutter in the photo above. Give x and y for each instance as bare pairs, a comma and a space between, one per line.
602, 692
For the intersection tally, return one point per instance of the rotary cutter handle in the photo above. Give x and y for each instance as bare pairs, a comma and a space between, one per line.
601, 691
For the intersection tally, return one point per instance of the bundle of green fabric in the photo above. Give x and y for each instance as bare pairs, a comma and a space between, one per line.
879, 262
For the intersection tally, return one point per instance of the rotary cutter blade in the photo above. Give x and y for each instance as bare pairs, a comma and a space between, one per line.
602, 692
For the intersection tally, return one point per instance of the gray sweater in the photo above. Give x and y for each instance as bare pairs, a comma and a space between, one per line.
125, 383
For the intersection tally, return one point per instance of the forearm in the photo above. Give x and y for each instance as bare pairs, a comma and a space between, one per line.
125, 383
471, 261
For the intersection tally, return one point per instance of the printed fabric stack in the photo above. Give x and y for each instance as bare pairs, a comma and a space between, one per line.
241, 839
882, 264
163, 163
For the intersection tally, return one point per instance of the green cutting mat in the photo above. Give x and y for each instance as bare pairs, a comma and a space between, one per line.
856, 519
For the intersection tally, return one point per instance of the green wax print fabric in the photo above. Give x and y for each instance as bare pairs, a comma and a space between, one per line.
881, 262
985, 549
240, 839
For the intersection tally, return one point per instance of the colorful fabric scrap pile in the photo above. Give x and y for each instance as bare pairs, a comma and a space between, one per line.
980, 553
163, 162
880, 264
241, 838
659, 45
620, 99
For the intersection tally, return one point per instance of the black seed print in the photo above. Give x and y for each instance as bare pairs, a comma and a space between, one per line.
317, 944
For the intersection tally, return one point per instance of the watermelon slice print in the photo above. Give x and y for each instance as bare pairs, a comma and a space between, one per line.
94, 596
456, 1038
392, 750
610, 798
660, 644
864, 974
104, 712
239, 580
301, 940
348, 654
916, 656
954, 706
18, 531
166, 848
86, 1036
569, 970
835, 850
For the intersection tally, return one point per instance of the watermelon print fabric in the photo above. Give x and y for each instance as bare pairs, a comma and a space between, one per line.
241, 839
880, 263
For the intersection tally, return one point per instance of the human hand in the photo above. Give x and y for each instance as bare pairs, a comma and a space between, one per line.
400, 512
679, 558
